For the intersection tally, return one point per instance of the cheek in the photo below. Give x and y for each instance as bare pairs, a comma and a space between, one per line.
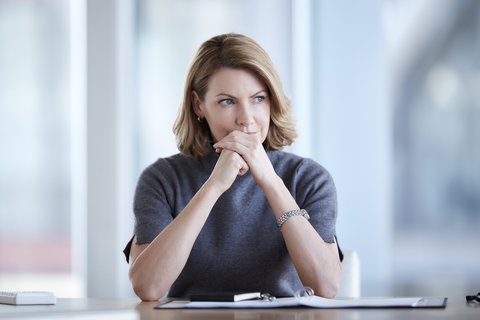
220, 124
219, 130
266, 117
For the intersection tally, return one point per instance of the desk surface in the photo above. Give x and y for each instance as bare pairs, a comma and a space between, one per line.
132, 308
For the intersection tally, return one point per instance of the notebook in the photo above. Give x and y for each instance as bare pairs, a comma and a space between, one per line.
315, 302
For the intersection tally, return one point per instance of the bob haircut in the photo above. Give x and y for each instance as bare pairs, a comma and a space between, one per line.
234, 51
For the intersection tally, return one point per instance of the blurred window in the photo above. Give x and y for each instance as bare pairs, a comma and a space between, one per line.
35, 245
437, 161
168, 35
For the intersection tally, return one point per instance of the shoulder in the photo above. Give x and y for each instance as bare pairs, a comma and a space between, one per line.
289, 162
167, 168
302, 175
175, 162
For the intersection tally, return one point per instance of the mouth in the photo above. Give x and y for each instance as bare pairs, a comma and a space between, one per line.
251, 133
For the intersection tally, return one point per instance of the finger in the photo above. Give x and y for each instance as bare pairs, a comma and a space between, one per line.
238, 161
239, 145
244, 167
240, 137
246, 150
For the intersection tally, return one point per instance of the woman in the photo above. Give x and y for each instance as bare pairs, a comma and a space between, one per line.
208, 218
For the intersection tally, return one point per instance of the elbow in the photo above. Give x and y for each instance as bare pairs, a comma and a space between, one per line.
148, 295
329, 293
147, 292
329, 289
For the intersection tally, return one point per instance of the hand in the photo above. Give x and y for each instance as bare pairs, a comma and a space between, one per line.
229, 165
250, 148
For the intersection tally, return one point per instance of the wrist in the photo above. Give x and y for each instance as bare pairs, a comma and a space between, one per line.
270, 181
290, 214
213, 188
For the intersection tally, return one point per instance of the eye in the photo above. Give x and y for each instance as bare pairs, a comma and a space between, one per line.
226, 102
258, 99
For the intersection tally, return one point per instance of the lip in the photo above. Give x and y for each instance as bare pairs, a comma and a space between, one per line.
252, 133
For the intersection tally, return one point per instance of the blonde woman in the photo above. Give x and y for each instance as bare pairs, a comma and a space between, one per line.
232, 212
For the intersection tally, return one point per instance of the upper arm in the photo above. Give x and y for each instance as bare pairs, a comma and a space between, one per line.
153, 205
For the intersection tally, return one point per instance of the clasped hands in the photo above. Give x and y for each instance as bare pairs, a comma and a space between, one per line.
240, 152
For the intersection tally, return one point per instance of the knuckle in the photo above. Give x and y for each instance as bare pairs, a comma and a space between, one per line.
234, 156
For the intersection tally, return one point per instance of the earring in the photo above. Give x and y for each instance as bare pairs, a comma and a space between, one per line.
199, 119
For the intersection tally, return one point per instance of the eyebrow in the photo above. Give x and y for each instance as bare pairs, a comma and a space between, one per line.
233, 97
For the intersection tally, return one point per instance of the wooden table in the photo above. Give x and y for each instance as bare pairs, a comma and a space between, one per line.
133, 308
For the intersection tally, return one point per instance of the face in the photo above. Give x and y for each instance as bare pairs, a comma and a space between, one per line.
235, 100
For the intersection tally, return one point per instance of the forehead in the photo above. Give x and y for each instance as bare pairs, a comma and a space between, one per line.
235, 82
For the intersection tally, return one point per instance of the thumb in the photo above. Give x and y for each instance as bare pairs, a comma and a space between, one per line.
243, 167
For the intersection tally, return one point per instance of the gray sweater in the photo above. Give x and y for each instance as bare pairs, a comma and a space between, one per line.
240, 247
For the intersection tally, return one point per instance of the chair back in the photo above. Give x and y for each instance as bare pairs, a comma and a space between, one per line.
350, 285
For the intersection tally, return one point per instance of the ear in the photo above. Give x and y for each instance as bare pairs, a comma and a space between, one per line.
196, 103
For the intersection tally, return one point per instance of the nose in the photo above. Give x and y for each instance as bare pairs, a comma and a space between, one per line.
244, 116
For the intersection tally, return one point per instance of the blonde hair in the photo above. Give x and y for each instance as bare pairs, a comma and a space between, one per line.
234, 51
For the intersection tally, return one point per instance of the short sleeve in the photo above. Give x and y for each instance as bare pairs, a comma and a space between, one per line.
315, 192
153, 202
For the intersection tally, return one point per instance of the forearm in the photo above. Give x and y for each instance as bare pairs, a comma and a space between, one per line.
156, 268
317, 262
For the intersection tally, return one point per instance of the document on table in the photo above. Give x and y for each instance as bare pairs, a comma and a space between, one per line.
314, 302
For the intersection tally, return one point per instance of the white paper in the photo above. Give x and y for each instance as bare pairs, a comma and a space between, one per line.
314, 302
277, 303
317, 302
173, 305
